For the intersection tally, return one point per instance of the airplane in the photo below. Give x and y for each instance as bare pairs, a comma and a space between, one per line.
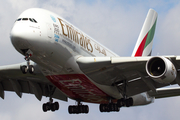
62, 62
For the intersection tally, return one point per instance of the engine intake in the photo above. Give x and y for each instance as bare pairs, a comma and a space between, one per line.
161, 70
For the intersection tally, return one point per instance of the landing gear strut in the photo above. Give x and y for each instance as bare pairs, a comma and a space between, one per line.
125, 101
50, 105
115, 107
77, 109
29, 67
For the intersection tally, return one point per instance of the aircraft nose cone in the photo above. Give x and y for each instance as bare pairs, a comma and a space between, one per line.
19, 36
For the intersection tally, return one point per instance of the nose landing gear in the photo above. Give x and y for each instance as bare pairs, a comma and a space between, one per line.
27, 68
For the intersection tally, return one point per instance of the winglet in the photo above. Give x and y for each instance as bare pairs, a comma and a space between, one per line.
144, 43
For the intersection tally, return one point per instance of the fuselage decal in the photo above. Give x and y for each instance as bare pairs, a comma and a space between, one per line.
78, 86
79, 38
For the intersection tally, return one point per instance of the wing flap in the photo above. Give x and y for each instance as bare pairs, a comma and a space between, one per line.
115, 60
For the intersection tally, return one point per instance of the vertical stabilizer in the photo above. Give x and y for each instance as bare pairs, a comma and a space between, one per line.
145, 40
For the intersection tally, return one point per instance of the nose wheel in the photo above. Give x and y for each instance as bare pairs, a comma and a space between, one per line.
28, 68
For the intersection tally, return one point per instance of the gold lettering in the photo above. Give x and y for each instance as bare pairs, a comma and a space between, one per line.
104, 52
82, 40
89, 43
85, 43
62, 25
100, 49
72, 34
69, 32
76, 37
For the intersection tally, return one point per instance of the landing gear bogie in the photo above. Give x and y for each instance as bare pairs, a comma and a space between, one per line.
50, 106
125, 102
112, 107
78, 109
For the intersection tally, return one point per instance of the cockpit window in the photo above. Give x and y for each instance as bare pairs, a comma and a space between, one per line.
31, 19
19, 19
34, 20
27, 19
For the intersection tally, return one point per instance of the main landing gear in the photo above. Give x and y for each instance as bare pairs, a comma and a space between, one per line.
27, 68
111, 107
115, 107
77, 109
125, 102
50, 106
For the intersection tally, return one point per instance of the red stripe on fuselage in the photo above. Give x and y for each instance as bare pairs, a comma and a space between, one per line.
79, 87
141, 47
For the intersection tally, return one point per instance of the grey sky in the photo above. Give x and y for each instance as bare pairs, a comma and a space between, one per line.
115, 24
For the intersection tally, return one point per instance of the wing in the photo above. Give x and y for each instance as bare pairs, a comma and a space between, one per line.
12, 79
113, 71
165, 92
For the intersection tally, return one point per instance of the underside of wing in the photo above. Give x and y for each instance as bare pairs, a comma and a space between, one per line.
12, 79
165, 92
126, 71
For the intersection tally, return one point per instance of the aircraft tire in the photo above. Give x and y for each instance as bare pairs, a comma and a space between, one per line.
44, 108
31, 69
129, 102
56, 105
86, 109
78, 109
24, 69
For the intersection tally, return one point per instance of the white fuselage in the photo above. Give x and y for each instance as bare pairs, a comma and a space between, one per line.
56, 44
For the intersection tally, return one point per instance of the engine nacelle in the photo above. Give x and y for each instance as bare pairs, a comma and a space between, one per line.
161, 70
142, 99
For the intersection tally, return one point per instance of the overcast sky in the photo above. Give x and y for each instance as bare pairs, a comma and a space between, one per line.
114, 23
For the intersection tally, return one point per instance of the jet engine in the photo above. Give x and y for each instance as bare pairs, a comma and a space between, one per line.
161, 70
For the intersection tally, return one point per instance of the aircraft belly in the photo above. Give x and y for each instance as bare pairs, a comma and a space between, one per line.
58, 64
63, 71
79, 87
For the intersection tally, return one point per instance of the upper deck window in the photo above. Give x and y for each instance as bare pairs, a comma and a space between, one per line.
27, 19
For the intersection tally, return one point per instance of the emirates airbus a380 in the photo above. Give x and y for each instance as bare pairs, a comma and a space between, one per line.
63, 62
